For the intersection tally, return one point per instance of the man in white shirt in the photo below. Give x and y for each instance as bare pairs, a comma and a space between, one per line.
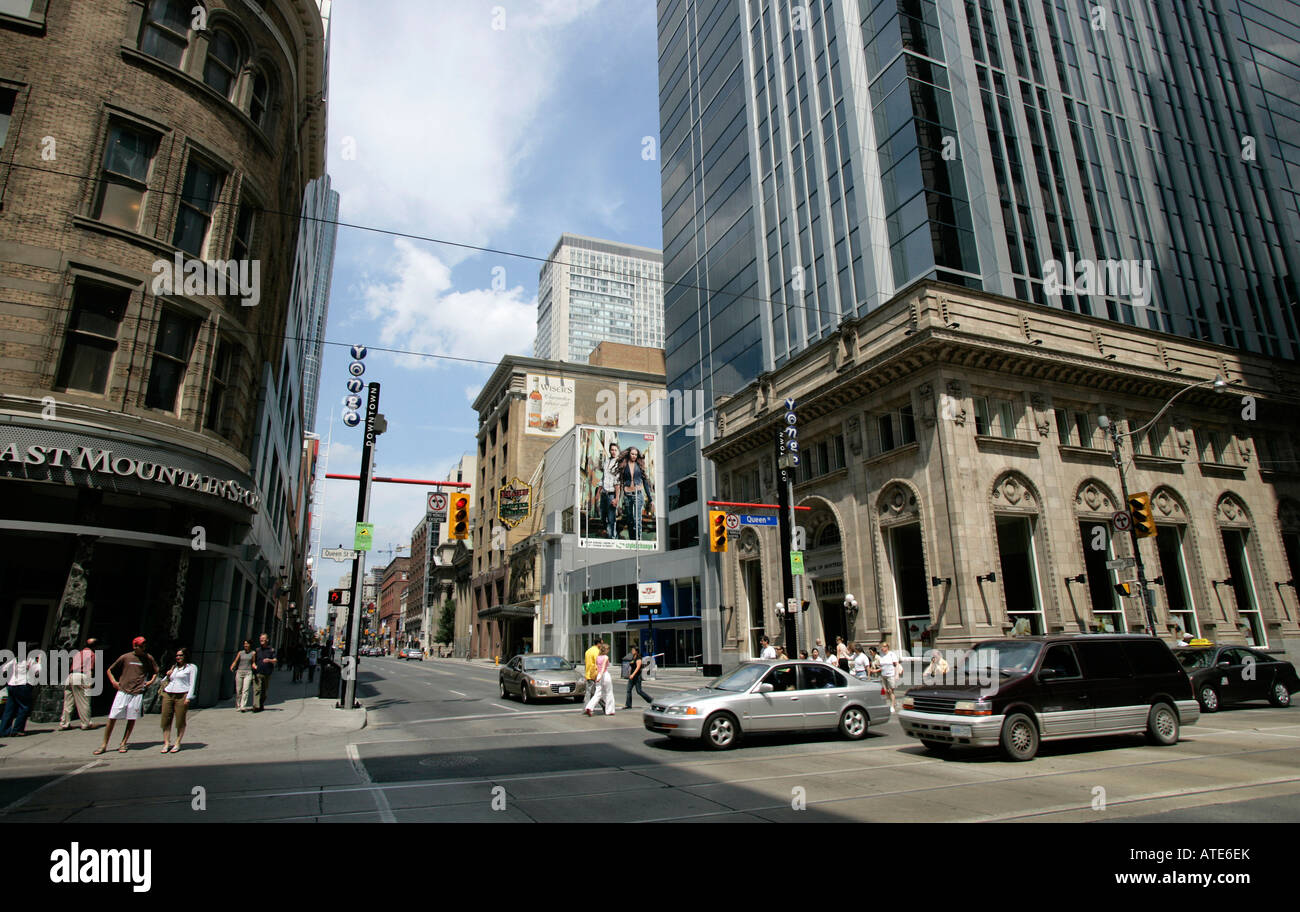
608, 492
768, 652
890, 667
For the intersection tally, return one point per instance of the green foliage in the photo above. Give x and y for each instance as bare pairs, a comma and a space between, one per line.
447, 623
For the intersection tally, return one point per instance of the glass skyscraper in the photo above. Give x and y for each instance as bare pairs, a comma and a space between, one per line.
819, 157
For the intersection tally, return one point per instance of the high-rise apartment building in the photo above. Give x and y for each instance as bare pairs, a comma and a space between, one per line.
590, 291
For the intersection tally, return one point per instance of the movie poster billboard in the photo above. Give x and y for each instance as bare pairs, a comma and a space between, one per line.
549, 405
618, 489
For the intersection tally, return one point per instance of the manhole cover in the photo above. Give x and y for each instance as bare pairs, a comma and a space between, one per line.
453, 760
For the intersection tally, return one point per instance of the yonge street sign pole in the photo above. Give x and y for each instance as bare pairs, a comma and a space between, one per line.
348, 685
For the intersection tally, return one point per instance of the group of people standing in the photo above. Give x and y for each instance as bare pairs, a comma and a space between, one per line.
874, 662
600, 683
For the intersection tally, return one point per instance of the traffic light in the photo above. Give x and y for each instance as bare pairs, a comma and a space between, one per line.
336, 596
1124, 589
718, 531
1139, 507
459, 518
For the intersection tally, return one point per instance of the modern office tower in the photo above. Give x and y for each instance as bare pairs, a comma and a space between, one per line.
590, 291
317, 233
819, 157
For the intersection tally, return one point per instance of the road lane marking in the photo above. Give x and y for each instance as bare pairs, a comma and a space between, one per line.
381, 800
53, 782
457, 693
507, 708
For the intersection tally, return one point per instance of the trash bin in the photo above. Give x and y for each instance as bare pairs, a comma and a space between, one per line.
330, 676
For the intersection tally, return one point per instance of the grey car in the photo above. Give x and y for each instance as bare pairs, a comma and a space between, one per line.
534, 677
790, 696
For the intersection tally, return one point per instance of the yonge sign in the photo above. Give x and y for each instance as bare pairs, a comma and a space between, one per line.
102, 461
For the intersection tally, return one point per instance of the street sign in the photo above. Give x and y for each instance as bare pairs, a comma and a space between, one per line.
438, 506
1121, 520
338, 554
351, 419
791, 605
750, 520
733, 522
796, 563
356, 368
649, 593
352, 402
1121, 563
355, 385
358, 353
365, 536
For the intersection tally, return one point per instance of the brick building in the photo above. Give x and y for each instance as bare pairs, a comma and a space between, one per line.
392, 588
150, 434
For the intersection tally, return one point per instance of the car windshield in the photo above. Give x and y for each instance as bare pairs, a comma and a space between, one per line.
1195, 658
1008, 657
545, 663
741, 679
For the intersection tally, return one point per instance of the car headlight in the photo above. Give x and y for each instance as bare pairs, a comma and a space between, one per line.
538, 682
683, 710
907, 702
973, 708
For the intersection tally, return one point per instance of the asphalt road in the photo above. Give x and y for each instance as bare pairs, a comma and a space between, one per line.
441, 745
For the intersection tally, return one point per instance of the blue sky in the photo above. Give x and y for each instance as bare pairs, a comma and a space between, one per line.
494, 137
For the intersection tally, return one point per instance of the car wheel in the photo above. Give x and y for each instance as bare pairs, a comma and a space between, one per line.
502, 684
936, 747
1019, 738
721, 731
853, 724
1162, 724
1208, 697
523, 691
1280, 695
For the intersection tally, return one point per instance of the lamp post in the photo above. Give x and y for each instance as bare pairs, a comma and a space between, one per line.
1148, 601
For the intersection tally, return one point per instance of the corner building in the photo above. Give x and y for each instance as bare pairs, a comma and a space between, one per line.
150, 435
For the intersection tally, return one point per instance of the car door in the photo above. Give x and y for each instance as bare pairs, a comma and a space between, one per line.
1234, 679
824, 694
512, 672
1112, 688
1257, 671
1065, 708
781, 708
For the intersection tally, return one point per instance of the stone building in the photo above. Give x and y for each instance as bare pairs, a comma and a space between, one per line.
150, 422
525, 406
959, 481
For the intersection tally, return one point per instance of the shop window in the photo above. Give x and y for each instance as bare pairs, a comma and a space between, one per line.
91, 338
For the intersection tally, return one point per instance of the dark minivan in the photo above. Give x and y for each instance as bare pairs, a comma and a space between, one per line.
1017, 693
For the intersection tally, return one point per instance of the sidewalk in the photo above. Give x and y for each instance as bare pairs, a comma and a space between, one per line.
213, 734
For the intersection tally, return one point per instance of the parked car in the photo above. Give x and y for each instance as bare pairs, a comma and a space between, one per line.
411, 653
535, 677
1234, 674
771, 697
1039, 689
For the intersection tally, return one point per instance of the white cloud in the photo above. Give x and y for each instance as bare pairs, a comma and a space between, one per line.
419, 311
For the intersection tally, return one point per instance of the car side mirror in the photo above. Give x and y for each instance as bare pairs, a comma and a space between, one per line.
765, 688
1045, 673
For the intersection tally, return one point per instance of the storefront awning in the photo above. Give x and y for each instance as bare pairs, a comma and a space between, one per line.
692, 619
525, 610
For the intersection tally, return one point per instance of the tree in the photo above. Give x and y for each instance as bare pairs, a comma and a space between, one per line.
447, 622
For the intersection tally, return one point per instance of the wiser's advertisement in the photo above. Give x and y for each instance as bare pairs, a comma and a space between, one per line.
550, 405
618, 481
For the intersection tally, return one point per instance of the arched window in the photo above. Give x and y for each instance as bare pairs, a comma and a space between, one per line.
166, 30
260, 103
222, 66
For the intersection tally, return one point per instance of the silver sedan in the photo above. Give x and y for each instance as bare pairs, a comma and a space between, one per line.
771, 697
535, 677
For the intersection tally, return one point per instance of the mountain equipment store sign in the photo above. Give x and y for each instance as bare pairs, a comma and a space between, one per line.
88, 459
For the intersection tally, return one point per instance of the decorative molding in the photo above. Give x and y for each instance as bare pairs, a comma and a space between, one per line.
1012, 490
748, 545
896, 503
926, 392
1095, 498
1167, 504
854, 434
1232, 511
1044, 421
958, 415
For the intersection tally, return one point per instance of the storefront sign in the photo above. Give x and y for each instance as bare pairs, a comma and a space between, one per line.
103, 462
514, 503
602, 606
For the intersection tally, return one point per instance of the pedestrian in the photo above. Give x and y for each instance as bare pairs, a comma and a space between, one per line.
589, 666
803, 653
841, 653
298, 661
131, 674
603, 689
22, 677
78, 684
635, 677
264, 662
938, 666
177, 695
768, 652
890, 668
313, 656
861, 663
873, 656
243, 669
780, 653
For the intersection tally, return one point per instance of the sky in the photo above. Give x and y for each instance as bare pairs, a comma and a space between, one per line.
495, 124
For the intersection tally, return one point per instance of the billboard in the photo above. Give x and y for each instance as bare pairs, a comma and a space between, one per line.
549, 405
618, 489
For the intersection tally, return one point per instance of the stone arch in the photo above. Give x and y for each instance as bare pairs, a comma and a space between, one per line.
748, 544
1231, 510
1012, 490
899, 502
1095, 496
1169, 506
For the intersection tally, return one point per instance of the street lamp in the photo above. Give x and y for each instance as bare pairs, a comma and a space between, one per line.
1148, 601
